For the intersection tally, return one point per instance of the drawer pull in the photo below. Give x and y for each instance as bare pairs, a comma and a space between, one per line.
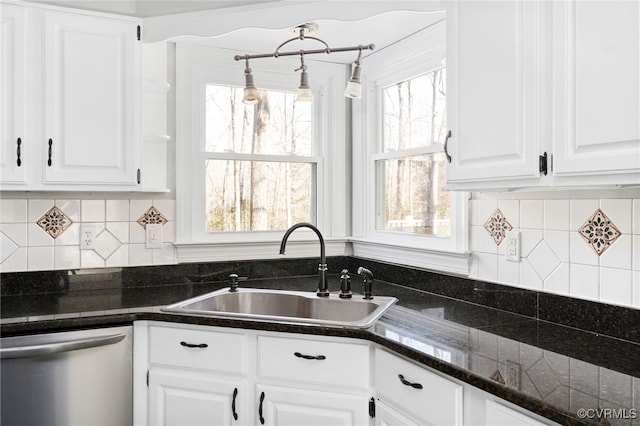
194, 345
50, 152
318, 357
260, 408
233, 404
408, 383
18, 152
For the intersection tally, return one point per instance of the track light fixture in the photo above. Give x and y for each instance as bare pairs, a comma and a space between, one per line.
304, 94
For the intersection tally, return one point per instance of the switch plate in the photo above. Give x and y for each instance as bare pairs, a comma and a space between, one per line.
512, 246
153, 234
87, 237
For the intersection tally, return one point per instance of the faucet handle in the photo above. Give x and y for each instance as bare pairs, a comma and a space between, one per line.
233, 282
345, 285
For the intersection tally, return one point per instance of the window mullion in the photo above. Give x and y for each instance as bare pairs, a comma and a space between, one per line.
259, 157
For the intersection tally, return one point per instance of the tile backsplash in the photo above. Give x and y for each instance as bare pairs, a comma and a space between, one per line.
583, 248
44, 234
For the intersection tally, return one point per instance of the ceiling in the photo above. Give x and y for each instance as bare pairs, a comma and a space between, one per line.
382, 30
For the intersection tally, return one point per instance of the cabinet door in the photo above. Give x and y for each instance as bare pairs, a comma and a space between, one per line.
91, 68
178, 398
15, 144
304, 407
499, 415
493, 67
596, 80
387, 416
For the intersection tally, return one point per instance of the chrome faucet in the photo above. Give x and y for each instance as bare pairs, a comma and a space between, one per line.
323, 290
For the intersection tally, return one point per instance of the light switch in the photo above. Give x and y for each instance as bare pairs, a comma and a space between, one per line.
153, 233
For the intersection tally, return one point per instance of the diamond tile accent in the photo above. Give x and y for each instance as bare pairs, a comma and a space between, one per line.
497, 226
106, 243
152, 215
543, 260
7, 247
599, 232
54, 222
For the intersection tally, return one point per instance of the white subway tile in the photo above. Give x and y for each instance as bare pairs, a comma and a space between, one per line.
580, 212
91, 259
136, 233
117, 210
120, 230
619, 254
529, 277
511, 211
93, 210
619, 211
165, 255
580, 252
636, 216
556, 215
543, 260
508, 272
37, 209
616, 286
70, 236
17, 262
636, 253
120, 257
166, 207
558, 281
17, 232
7, 247
40, 258
36, 236
636, 290
168, 232
531, 214
13, 211
139, 255
584, 281
488, 267
137, 208
558, 242
67, 257
485, 243
529, 239
71, 208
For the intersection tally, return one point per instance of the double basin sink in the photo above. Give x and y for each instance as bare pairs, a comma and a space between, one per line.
291, 307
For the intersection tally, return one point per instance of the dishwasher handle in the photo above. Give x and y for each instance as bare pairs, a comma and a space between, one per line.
57, 347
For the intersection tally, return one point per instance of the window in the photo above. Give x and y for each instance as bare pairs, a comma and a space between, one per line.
259, 172
244, 174
410, 170
402, 212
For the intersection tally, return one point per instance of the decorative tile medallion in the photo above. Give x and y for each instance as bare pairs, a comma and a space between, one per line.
599, 232
497, 226
497, 377
54, 222
152, 215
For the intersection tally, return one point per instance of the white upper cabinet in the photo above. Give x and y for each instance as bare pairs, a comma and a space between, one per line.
534, 77
71, 94
91, 101
13, 64
596, 89
493, 67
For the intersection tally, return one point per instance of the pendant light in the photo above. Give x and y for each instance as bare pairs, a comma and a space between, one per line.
304, 93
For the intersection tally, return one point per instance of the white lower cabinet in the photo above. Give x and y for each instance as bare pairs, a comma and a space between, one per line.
415, 392
179, 398
199, 375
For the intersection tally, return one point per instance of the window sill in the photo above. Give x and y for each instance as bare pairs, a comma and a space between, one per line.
252, 250
447, 261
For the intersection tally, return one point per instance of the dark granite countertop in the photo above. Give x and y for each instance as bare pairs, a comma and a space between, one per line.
549, 369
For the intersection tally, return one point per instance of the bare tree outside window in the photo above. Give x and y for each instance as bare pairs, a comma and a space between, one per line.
410, 180
259, 173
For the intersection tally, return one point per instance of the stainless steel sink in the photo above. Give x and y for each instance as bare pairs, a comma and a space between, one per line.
287, 307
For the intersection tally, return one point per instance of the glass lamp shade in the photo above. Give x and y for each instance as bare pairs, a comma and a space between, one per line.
251, 96
353, 90
304, 95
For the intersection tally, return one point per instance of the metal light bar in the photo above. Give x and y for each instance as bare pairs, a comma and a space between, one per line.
305, 52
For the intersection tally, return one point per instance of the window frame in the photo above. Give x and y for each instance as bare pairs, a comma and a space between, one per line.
414, 56
199, 65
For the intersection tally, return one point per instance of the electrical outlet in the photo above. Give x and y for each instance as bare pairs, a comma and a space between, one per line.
153, 234
512, 246
87, 237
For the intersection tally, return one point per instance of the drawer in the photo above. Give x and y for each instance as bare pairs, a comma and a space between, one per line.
316, 361
198, 348
439, 401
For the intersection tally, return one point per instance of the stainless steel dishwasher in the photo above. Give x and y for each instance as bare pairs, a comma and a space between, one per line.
68, 378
